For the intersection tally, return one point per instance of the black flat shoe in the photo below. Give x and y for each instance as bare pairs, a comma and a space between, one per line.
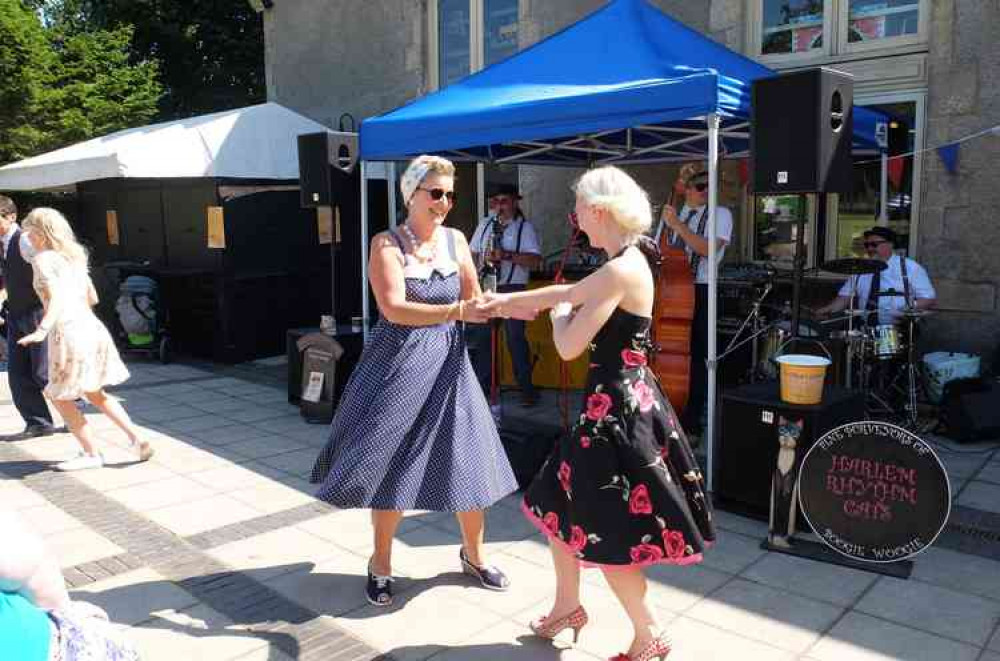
378, 590
489, 576
35, 431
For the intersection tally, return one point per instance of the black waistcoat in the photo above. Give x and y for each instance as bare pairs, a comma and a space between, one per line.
17, 275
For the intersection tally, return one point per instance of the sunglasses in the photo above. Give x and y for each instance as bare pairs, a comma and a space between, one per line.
873, 244
437, 193
700, 187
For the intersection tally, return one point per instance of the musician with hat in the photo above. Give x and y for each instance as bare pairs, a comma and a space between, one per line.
512, 245
688, 229
902, 284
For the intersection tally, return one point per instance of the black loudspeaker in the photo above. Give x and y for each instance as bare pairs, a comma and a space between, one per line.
970, 409
748, 448
322, 157
802, 129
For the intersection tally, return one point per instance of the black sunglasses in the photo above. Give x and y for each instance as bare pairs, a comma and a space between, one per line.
873, 244
437, 193
700, 187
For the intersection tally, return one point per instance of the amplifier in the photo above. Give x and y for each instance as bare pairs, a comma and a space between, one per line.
748, 444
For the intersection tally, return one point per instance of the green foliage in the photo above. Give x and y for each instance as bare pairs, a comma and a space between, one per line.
25, 60
210, 52
60, 84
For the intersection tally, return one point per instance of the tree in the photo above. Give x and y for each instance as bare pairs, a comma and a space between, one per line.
210, 52
95, 90
25, 59
58, 87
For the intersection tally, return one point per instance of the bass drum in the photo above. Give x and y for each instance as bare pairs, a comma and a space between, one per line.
777, 338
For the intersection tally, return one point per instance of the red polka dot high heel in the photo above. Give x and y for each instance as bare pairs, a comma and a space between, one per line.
658, 648
544, 627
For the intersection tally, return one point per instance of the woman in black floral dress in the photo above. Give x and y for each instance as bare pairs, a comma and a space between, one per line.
624, 490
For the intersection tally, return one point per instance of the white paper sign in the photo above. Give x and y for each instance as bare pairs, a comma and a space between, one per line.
315, 387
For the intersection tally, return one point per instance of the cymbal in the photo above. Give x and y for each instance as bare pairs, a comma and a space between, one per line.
854, 266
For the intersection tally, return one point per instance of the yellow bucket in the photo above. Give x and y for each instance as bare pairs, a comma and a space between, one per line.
802, 378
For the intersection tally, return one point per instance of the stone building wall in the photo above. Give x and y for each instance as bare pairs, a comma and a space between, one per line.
959, 236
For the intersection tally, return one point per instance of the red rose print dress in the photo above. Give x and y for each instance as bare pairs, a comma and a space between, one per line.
624, 488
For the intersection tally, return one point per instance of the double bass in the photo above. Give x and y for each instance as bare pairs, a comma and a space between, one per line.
673, 314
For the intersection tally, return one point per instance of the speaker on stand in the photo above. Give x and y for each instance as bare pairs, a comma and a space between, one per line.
803, 128
330, 181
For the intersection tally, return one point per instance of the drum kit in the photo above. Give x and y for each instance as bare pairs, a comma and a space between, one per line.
877, 358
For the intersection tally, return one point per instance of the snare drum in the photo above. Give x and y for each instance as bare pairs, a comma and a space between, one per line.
885, 342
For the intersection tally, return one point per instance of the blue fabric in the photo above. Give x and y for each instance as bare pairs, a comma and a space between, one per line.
24, 629
949, 157
624, 66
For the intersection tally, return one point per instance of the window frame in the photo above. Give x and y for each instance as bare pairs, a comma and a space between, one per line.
835, 34
756, 35
477, 57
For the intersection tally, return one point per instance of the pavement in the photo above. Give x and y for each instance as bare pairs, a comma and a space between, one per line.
216, 549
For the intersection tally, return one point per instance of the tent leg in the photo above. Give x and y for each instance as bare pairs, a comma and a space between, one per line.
883, 211
713, 203
364, 249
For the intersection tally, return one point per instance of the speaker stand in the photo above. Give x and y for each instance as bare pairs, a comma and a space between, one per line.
820, 552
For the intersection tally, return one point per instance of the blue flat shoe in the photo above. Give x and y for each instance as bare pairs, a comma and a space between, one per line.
378, 589
489, 576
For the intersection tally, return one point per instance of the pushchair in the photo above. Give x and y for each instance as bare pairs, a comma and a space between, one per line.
140, 313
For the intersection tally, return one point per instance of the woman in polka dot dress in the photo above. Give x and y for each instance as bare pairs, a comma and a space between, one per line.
413, 429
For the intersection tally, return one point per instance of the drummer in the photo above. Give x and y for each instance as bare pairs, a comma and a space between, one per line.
902, 284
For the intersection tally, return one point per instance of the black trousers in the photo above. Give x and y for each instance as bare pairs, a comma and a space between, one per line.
691, 419
28, 369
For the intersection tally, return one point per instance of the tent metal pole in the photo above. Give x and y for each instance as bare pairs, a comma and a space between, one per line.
364, 249
883, 212
712, 268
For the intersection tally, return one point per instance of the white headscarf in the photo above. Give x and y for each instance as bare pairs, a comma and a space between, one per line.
411, 179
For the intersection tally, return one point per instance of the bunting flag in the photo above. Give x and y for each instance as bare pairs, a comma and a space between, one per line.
949, 157
895, 170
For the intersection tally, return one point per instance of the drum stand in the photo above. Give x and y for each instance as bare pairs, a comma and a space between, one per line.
905, 383
757, 328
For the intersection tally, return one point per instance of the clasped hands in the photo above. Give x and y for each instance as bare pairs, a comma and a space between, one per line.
492, 305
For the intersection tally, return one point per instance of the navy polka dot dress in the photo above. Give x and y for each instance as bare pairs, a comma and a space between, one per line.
413, 429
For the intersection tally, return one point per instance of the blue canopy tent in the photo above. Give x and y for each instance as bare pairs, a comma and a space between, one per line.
626, 84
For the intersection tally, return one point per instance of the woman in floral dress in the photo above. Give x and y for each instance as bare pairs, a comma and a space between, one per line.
623, 491
82, 357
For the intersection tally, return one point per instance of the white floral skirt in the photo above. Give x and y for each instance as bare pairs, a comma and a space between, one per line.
82, 358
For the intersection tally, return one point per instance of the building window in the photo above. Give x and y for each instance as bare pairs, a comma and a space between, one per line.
860, 209
796, 30
469, 35
792, 27
882, 19
454, 41
500, 30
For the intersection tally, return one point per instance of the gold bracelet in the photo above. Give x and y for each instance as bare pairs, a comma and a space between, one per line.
461, 311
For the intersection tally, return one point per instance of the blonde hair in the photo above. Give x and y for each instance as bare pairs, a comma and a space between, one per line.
611, 189
55, 231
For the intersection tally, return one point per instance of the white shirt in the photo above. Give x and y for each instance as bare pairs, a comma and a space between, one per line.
891, 278
723, 231
510, 273
7, 237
